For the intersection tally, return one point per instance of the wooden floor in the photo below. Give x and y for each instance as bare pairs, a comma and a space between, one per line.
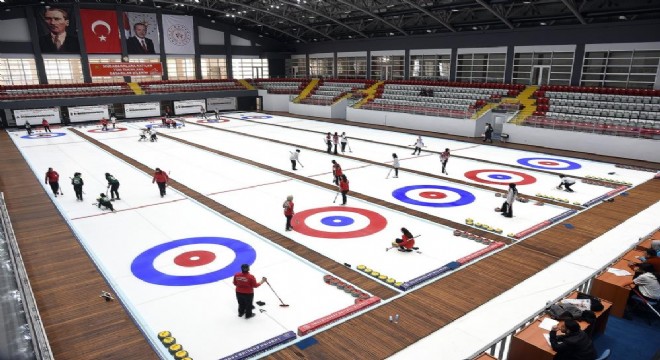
82, 326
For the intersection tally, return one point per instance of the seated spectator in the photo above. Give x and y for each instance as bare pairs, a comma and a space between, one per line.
651, 257
655, 245
646, 282
573, 344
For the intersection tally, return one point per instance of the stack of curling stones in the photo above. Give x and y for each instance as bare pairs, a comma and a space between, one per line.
519, 198
544, 196
595, 180
471, 222
470, 236
175, 349
634, 168
347, 288
382, 277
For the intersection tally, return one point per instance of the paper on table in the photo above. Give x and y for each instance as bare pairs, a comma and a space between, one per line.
548, 323
618, 272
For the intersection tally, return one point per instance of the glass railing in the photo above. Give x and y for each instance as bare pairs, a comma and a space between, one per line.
420, 110
647, 130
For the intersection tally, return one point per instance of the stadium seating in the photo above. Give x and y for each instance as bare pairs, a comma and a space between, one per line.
49, 91
330, 90
168, 86
280, 86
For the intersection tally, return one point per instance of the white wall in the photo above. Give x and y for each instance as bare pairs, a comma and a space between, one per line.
461, 127
274, 102
619, 146
311, 110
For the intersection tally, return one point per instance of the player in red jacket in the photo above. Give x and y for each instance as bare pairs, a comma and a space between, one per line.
288, 212
336, 171
343, 187
407, 241
53, 178
245, 285
161, 178
104, 124
46, 125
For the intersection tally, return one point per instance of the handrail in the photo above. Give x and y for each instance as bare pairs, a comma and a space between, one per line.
40, 344
501, 344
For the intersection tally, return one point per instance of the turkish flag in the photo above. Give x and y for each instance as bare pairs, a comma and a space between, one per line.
100, 31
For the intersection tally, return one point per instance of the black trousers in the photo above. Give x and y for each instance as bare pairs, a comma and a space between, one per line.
113, 191
343, 196
54, 186
335, 149
161, 187
78, 190
329, 144
47, 129
343, 147
107, 204
417, 150
444, 166
293, 164
507, 210
245, 304
288, 222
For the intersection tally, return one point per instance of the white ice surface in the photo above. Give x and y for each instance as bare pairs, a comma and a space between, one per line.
206, 313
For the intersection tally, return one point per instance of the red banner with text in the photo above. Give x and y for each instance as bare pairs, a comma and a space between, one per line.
100, 31
126, 69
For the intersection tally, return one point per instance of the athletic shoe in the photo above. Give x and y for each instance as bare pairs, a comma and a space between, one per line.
248, 316
240, 315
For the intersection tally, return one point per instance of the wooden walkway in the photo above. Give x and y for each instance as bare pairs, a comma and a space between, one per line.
81, 325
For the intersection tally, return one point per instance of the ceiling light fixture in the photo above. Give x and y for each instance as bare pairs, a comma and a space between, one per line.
542, 23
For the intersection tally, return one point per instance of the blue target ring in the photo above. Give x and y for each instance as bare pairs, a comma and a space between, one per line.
247, 117
337, 221
465, 197
499, 177
143, 265
551, 163
48, 135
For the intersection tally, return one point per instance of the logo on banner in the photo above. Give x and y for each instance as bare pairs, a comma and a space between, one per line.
100, 31
179, 35
102, 36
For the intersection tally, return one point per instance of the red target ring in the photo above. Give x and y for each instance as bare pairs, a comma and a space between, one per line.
500, 177
194, 258
376, 223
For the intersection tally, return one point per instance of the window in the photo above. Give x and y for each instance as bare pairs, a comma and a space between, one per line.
558, 66
487, 67
429, 67
63, 70
629, 69
18, 71
145, 59
296, 67
352, 67
249, 68
180, 68
387, 67
105, 59
214, 67
321, 67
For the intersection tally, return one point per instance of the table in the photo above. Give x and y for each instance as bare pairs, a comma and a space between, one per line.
633, 254
610, 287
530, 343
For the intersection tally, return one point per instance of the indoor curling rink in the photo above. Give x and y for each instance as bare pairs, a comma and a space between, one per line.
171, 260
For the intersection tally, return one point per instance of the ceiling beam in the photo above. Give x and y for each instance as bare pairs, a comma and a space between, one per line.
429, 14
327, 17
489, 8
571, 6
374, 16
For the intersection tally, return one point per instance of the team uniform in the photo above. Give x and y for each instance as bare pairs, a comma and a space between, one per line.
78, 183
335, 142
161, 178
113, 184
343, 187
328, 143
53, 178
294, 158
153, 135
419, 144
143, 134
488, 133
102, 200
406, 243
343, 141
245, 284
288, 212
395, 165
566, 182
46, 125
336, 172
113, 121
104, 124
507, 206
28, 128
444, 157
